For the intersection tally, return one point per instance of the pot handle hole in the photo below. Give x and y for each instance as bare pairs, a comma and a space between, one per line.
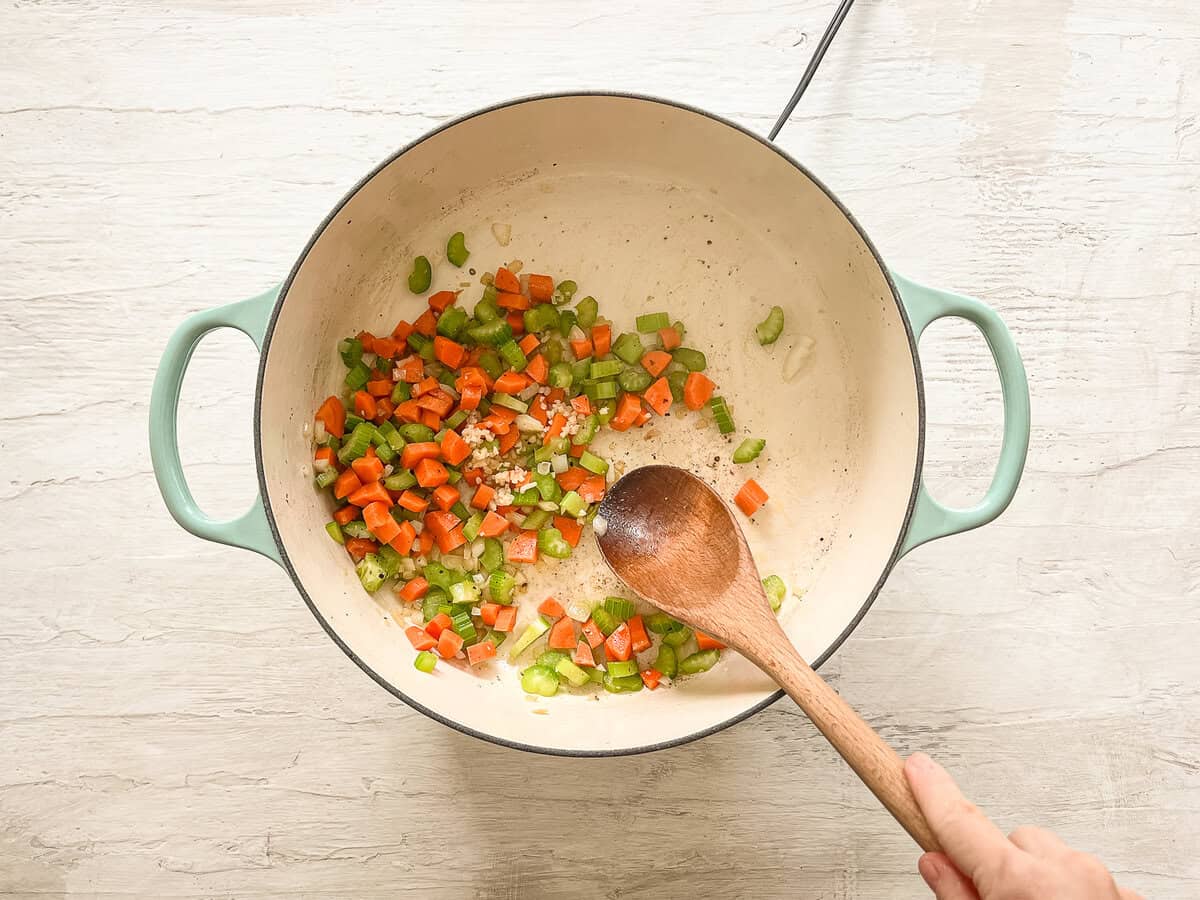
250, 530
931, 520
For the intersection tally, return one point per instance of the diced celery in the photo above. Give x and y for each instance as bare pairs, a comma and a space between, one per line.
553, 544
692, 360
593, 463
619, 608
572, 504
501, 585
335, 531
472, 525
628, 348
678, 637
425, 661
539, 680
748, 450
605, 621
587, 311
620, 668
421, 276
769, 329
456, 249
700, 661
532, 632
667, 661
776, 590
568, 670
493, 555
370, 572
629, 684
652, 322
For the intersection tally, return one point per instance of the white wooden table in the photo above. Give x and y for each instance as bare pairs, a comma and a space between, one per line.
174, 723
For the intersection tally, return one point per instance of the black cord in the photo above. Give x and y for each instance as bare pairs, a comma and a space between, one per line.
819, 54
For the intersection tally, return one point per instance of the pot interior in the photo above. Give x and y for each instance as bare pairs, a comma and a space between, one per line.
648, 206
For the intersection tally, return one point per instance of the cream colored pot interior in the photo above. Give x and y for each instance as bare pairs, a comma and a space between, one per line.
648, 207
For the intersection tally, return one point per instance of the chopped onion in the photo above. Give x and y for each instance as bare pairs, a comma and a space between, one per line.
797, 357
524, 280
543, 468
560, 463
502, 232
487, 278
478, 578
477, 547
418, 525
319, 433
529, 393
579, 610
600, 525
526, 422
320, 465
516, 266
548, 506
576, 334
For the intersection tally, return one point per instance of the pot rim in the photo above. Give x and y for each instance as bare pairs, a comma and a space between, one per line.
434, 714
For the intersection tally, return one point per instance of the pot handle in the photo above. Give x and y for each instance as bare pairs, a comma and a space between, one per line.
931, 520
250, 530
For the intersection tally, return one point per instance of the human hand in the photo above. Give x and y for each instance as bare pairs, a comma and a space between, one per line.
980, 863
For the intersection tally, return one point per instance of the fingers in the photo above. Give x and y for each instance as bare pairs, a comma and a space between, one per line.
972, 842
1038, 842
1127, 894
946, 882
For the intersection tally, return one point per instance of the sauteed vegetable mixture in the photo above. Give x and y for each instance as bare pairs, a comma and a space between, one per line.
460, 451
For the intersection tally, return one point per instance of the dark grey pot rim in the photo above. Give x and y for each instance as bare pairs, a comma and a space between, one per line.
434, 714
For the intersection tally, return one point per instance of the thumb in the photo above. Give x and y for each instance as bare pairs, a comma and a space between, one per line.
946, 882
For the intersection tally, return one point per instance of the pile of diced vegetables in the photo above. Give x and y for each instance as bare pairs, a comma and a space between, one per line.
461, 451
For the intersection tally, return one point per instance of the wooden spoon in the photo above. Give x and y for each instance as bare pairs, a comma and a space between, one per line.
667, 535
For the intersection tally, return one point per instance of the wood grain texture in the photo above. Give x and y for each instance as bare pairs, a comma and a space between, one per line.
173, 723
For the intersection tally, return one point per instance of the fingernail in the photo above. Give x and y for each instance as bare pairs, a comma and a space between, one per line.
930, 869
920, 762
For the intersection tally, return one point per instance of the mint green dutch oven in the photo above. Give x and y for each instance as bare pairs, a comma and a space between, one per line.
647, 204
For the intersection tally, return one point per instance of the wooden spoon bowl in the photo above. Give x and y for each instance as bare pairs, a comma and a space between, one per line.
675, 542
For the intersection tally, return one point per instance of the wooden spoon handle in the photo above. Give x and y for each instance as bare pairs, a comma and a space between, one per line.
869, 755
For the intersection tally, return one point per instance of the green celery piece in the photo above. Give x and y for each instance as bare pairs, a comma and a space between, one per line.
620, 668
692, 360
400, 481
452, 322
605, 621
415, 433
652, 322
357, 529
351, 350
401, 392
587, 311
501, 585
628, 348
619, 608
748, 450
326, 478
539, 680
335, 531
551, 658
575, 675
776, 590
572, 504
456, 249
493, 555
634, 379
512, 354
421, 276
661, 623
560, 376
588, 429
678, 637
536, 520
630, 684
489, 361
604, 369
667, 661
358, 376
700, 661
472, 525
564, 292
532, 632
425, 661
593, 463
553, 544
769, 329
371, 572
493, 334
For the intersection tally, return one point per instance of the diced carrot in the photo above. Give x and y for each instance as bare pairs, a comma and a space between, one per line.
577, 450
449, 644
512, 301
562, 635
415, 452
656, 361
493, 525
364, 405
552, 608
408, 411
593, 634
371, 454
628, 408
325, 457
438, 624
506, 619
451, 540
454, 448
380, 388
509, 440
483, 496
403, 542
374, 492
367, 468
697, 390
538, 369
425, 386
440, 521
401, 332
670, 338
592, 490
516, 321
480, 652
750, 497
469, 396
426, 324
387, 347
523, 548
425, 544
539, 410
541, 288
658, 396
503, 414
448, 353
415, 589
581, 349
618, 645
347, 483
442, 300
421, 640
704, 642
473, 477
528, 343
510, 383
437, 402
412, 369
367, 340
346, 514
642, 418
583, 655
360, 547
413, 502
651, 678
332, 413
380, 521
507, 281
430, 419
570, 529
637, 634
601, 339
557, 424
571, 479
582, 405
445, 496
488, 613
383, 410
